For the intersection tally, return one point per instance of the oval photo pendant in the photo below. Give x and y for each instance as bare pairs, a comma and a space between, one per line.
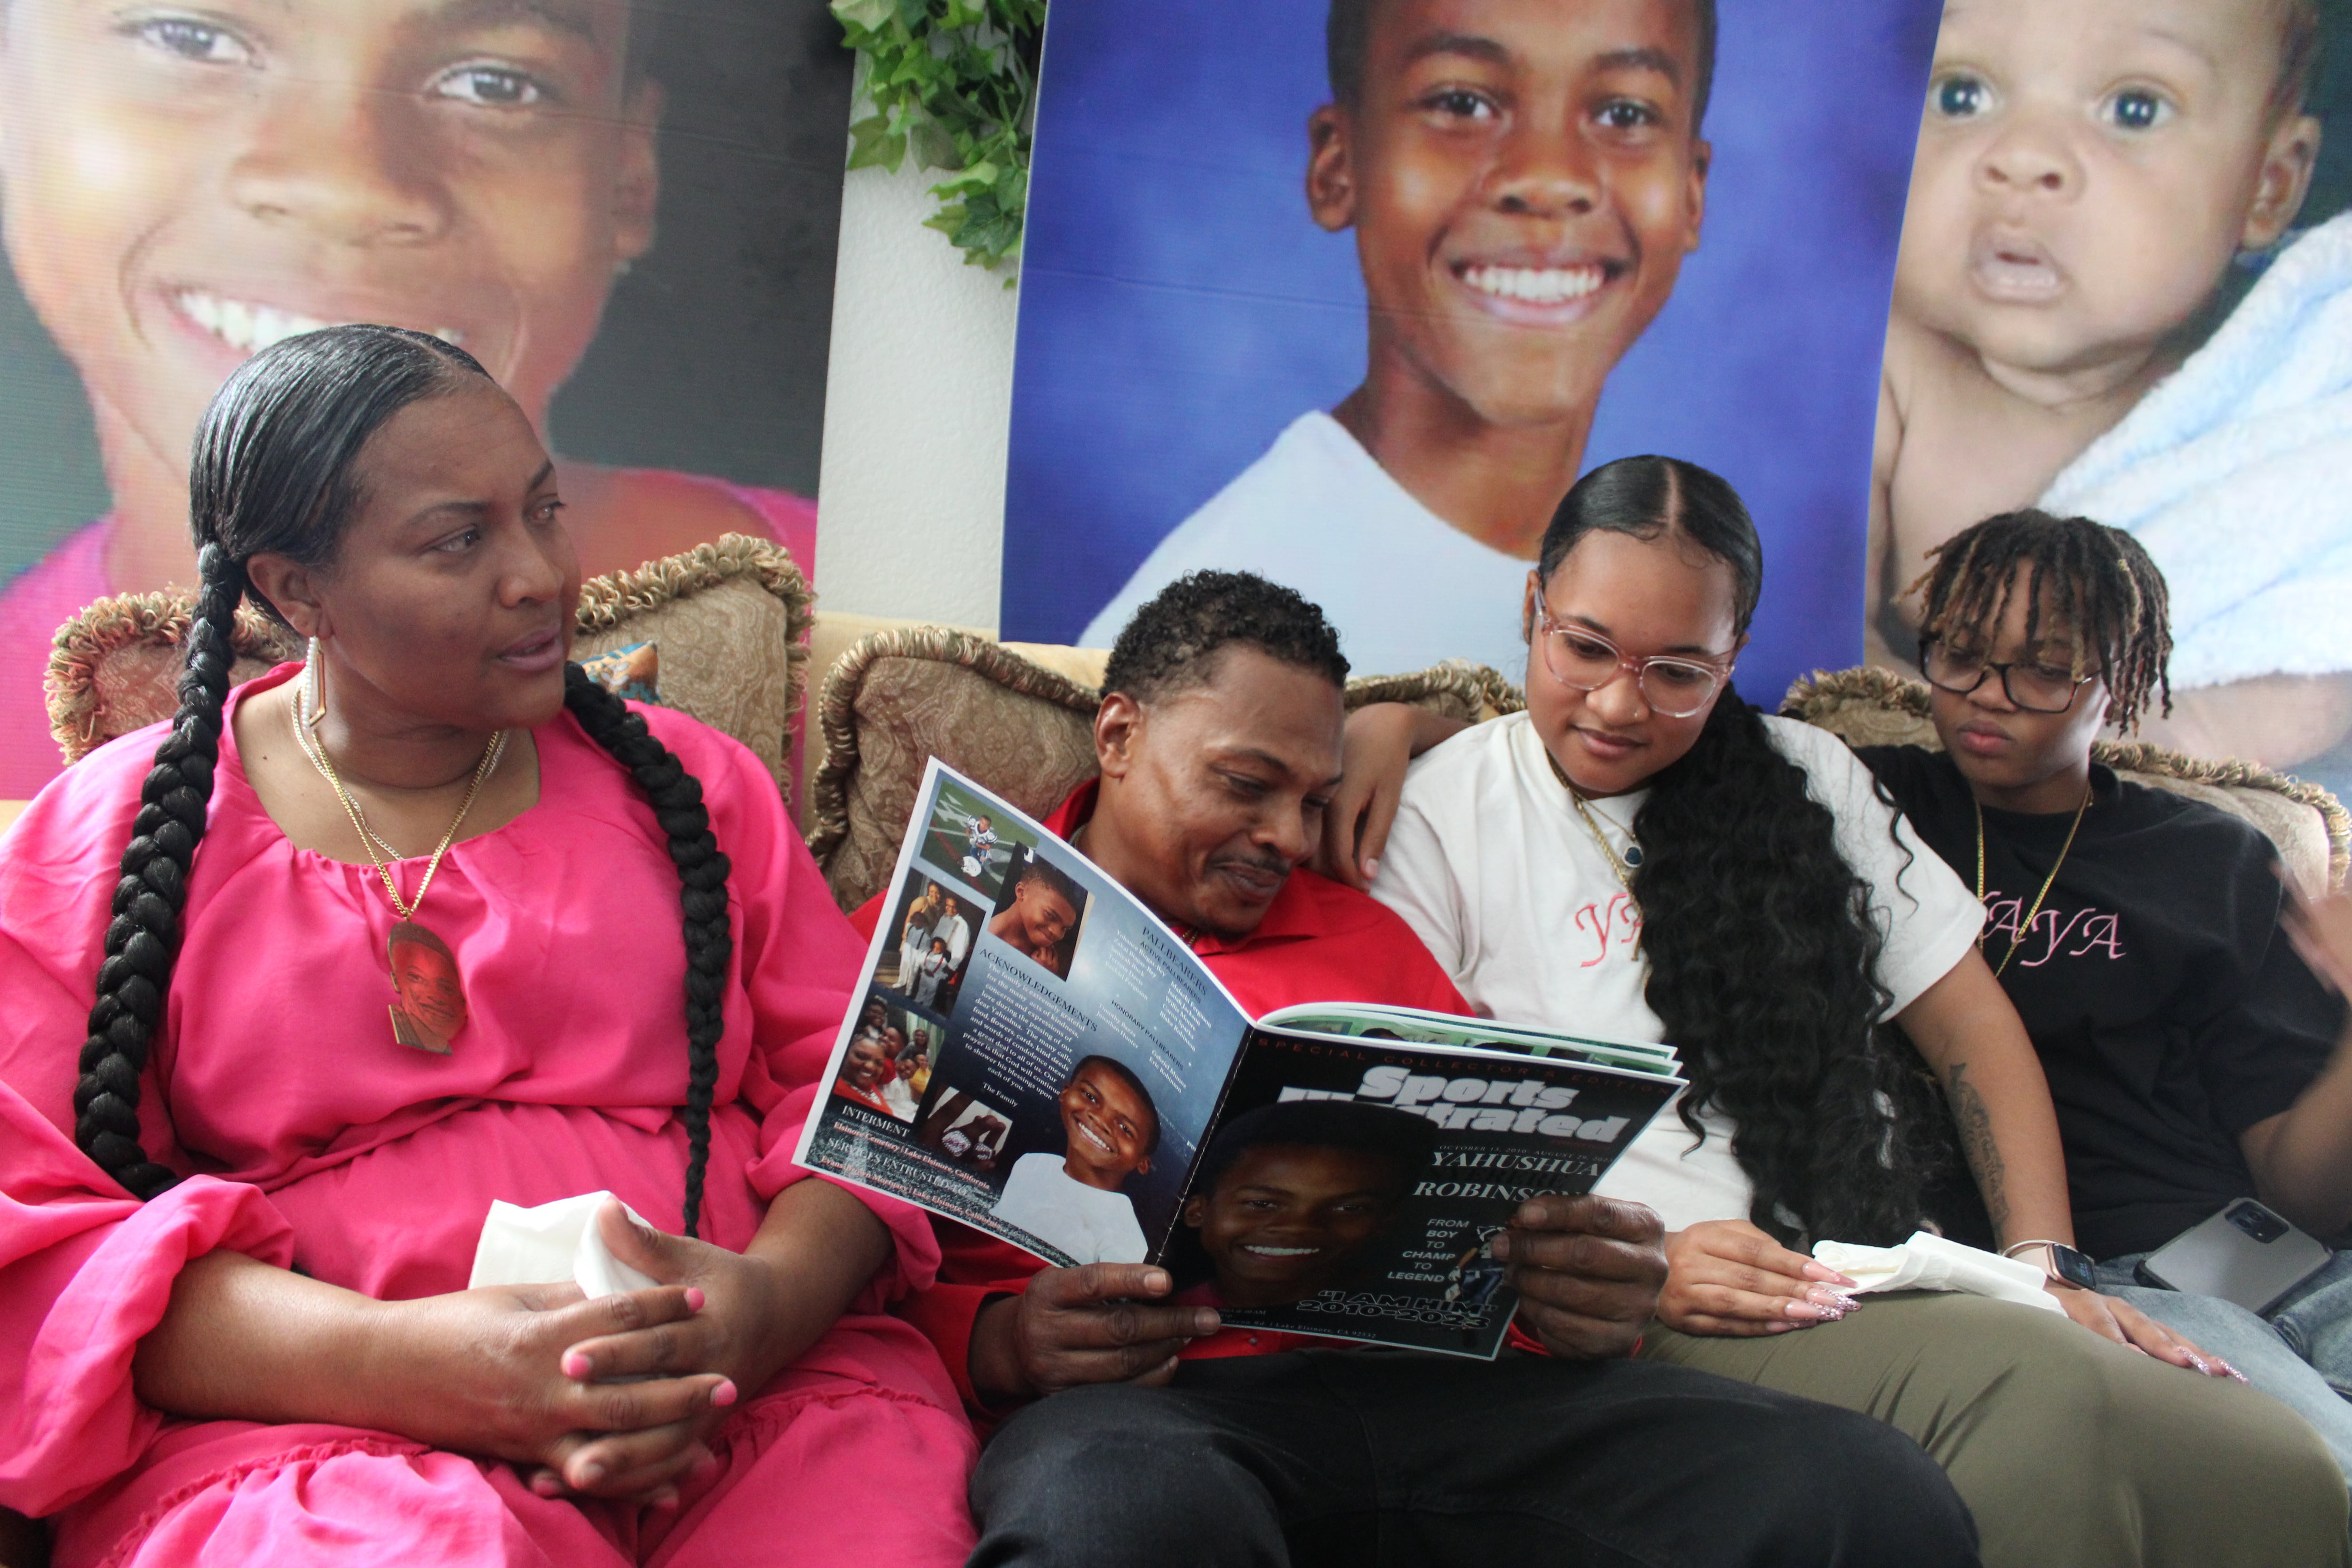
1633, 855
431, 1005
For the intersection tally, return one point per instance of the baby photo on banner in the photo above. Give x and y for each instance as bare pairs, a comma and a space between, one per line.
2124, 292
626, 209
1349, 293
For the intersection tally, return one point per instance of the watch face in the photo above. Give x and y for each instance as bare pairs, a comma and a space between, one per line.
2074, 1268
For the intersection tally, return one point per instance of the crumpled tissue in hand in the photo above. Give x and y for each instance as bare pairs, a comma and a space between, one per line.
1929, 1262
551, 1244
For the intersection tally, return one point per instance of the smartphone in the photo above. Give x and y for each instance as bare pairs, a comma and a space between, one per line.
2245, 1254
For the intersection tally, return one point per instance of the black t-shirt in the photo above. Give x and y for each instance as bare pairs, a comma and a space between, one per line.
2169, 1010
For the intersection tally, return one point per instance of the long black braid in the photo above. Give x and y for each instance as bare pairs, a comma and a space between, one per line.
703, 866
2105, 593
1763, 955
274, 469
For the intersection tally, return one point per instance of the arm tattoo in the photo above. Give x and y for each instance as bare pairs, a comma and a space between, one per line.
1974, 1123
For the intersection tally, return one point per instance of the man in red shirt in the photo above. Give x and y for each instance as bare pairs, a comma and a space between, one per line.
1153, 1435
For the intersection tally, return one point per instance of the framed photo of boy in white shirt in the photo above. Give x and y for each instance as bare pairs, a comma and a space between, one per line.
1347, 294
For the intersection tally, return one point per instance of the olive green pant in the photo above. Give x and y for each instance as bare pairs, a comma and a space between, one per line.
2071, 1452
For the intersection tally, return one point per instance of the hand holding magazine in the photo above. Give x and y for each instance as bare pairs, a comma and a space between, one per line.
1034, 1054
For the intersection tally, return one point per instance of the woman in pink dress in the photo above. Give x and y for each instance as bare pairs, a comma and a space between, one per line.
234, 1239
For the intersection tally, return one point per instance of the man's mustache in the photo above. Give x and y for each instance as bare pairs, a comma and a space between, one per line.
1271, 865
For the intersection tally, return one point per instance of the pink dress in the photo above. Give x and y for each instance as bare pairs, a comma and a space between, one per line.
309, 1139
57, 587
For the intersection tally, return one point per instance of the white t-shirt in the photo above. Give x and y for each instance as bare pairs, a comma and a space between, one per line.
1404, 587
1089, 1223
1492, 867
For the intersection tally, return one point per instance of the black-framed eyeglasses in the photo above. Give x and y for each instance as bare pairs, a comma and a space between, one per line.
2034, 686
1577, 657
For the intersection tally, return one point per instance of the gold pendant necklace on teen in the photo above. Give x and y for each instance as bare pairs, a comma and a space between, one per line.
431, 1008
1623, 865
2017, 933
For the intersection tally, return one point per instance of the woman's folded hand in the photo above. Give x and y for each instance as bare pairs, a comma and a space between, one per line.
495, 1371
1728, 1277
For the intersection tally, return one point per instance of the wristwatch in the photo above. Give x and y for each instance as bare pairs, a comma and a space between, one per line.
2060, 1262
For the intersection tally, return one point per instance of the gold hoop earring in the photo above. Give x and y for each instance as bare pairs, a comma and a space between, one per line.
314, 690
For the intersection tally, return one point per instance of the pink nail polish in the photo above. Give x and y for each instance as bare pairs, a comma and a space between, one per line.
694, 1299
576, 1365
724, 1394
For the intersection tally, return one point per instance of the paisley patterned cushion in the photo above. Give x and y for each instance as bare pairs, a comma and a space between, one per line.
730, 618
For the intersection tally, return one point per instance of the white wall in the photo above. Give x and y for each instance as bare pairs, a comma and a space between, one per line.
918, 394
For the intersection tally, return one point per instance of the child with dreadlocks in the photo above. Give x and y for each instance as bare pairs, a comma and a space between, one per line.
2191, 1055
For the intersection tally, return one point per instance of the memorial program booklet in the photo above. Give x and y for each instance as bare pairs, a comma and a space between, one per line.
1032, 1052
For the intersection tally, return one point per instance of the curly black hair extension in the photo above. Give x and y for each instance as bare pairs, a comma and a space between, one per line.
1762, 950
1763, 968
1168, 645
276, 470
2105, 592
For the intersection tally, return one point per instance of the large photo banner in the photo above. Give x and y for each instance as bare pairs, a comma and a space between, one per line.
626, 209
2124, 292
1350, 294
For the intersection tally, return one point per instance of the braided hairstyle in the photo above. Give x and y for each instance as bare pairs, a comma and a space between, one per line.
1762, 952
276, 470
2096, 582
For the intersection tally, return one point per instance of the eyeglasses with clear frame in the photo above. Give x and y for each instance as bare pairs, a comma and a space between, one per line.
1577, 657
2034, 687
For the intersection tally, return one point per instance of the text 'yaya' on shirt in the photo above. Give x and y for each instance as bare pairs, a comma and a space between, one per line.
2076, 935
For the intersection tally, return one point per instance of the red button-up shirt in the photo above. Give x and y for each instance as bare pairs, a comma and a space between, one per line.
1320, 941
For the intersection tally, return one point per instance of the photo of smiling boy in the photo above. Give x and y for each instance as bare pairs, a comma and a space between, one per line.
1072, 1201
1038, 915
2088, 174
183, 186
1292, 1195
1524, 178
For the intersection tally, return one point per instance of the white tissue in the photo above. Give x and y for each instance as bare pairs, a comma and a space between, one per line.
551, 1244
1929, 1262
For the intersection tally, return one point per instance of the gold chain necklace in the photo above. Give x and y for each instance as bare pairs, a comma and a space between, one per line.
431, 1008
2017, 935
1622, 866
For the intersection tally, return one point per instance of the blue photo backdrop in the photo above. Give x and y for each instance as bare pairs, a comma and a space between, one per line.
1179, 308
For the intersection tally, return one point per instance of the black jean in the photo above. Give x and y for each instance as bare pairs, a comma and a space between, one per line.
1373, 1458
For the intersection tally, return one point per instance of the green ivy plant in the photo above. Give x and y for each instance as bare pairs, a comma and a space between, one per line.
955, 81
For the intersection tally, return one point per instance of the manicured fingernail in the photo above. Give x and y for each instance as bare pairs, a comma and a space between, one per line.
2234, 1372
694, 1299
725, 1393
1371, 869
590, 1474
576, 1365
1156, 1281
